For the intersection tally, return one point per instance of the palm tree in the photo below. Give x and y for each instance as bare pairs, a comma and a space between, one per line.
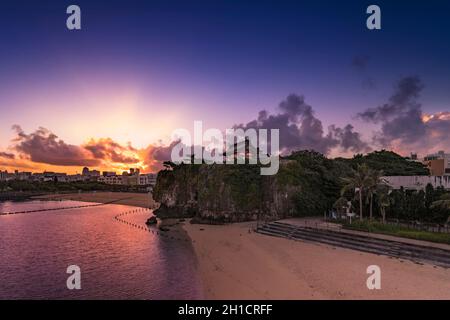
358, 181
383, 191
375, 179
443, 202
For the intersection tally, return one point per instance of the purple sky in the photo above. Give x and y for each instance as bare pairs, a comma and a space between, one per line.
140, 69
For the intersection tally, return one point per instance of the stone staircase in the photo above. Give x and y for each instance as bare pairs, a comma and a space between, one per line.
416, 253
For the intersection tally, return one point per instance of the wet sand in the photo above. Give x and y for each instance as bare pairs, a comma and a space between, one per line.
237, 264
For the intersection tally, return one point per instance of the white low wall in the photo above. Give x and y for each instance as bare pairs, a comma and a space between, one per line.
418, 182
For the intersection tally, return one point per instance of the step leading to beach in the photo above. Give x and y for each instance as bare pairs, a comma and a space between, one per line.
417, 253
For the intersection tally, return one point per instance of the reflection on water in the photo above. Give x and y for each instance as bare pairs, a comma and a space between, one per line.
116, 261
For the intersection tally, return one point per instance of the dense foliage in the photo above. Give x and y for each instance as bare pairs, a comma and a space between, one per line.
417, 205
389, 162
318, 178
306, 184
51, 186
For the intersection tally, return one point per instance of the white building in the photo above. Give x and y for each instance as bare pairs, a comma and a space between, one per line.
418, 182
129, 179
76, 178
147, 179
6, 176
110, 179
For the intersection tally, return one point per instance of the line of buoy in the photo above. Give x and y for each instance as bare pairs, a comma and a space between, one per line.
140, 227
66, 208
133, 224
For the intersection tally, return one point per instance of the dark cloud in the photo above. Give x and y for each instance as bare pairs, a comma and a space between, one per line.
162, 153
300, 129
408, 89
407, 127
45, 147
108, 149
155, 155
404, 126
349, 139
402, 101
7, 155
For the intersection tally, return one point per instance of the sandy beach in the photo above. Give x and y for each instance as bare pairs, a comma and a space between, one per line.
238, 264
143, 200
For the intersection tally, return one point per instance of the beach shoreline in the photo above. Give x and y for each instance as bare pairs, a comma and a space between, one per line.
236, 263
142, 200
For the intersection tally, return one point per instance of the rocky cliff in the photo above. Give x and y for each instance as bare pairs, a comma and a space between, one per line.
230, 193
306, 184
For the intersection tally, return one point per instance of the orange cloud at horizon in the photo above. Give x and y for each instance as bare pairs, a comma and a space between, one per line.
444, 115
42, 150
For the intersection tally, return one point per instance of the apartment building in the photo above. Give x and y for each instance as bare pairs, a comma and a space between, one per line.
438, 163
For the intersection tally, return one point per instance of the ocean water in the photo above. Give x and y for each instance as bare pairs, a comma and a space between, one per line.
117, 260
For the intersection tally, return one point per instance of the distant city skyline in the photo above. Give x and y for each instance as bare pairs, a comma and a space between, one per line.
131, 177
109, 95
82, 171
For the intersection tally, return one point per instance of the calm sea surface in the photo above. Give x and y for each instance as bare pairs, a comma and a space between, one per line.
117, 261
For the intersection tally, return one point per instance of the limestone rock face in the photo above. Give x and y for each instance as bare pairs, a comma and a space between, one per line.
221, 193
306, 184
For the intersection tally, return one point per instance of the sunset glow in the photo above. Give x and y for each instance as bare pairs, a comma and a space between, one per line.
125, 87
